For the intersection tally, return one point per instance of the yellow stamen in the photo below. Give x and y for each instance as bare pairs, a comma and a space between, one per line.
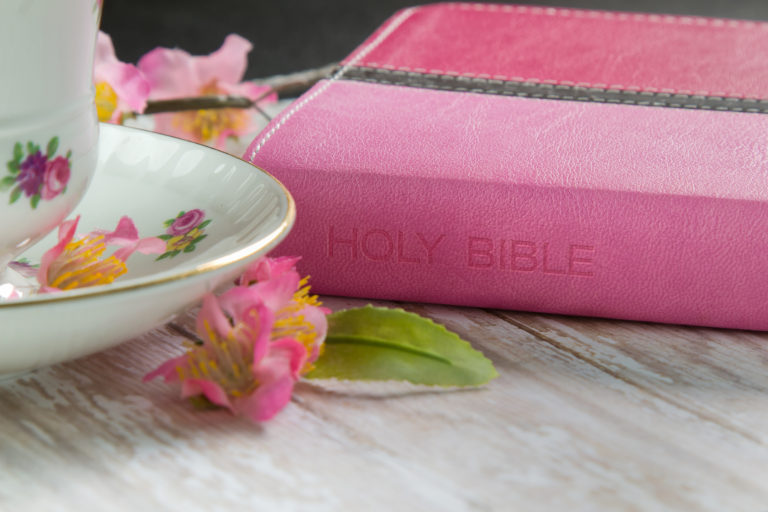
227, 358
224, 360
208, 125
79, 265
106, 101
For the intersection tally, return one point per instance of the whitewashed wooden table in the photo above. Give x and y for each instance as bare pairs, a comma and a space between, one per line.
587, 414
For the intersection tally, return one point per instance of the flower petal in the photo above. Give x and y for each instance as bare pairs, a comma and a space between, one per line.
171, 73
265, 268
268, 399
126, 236
66, 233
286, 351
240, 301
104, 54
278, 291
125, 233
317, 317
212, 317
246, 307
128, 82
276, 374
227, 64
274, 293
250, 90
167, 370
211, 390
167, 124
149, 245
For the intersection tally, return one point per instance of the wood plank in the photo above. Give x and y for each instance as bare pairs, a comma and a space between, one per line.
719, 375
555, 431
652, 452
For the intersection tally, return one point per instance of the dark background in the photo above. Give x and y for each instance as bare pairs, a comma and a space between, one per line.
291, 35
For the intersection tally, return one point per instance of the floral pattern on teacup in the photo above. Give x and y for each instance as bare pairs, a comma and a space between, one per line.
35, 174
183, 232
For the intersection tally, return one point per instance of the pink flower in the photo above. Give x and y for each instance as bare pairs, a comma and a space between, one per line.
256, 341
277, 279
126, 236
186, 223
78, 262
120, 87
265, 269
174, 73
55, 177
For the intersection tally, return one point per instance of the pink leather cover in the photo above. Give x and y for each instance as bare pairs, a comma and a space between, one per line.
584, 208
648, 52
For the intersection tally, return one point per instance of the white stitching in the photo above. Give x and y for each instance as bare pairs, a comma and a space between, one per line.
337, 76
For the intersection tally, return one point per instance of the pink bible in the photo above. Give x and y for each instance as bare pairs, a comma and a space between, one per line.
555, 160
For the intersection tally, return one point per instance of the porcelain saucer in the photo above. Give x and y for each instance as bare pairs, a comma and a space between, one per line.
215, 212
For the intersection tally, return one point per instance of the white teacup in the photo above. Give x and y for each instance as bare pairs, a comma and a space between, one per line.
48, 124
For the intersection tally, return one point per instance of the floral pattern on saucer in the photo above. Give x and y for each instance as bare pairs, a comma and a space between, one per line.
183, 233
36, 174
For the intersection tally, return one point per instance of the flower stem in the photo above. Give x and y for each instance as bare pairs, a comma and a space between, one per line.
197, 103
287, 86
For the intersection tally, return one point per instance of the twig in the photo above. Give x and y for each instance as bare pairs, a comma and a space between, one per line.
286, 86
294, 84
197, 103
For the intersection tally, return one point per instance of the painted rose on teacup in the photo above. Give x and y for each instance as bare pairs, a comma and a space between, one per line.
186, 222
56, 177
48, 124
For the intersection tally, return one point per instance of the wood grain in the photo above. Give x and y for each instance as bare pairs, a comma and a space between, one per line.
586, 415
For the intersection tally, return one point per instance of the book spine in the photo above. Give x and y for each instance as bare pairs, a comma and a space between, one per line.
555, 250
622, 211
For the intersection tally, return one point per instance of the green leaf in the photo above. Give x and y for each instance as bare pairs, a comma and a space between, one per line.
163, 256
53, 145
203, 224
165, 237
391, 344
18, 152
7, 182
189, 248
13, 167
15, 195
35, 199
69, 154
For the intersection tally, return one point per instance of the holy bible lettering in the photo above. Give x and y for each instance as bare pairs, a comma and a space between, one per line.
383, 245
480, 253
529, 256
